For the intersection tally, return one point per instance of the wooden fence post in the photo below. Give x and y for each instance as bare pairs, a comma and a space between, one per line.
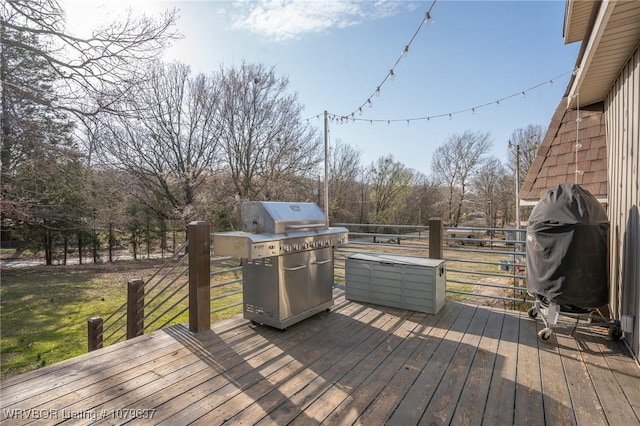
135, 307
436, 232
199, 248
94, 334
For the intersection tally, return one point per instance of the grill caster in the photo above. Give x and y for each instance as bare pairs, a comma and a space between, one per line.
615, 333
256, 323
327, 310
532, 312
545, 334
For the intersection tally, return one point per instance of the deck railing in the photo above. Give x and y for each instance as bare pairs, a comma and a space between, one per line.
151, 303
481, 262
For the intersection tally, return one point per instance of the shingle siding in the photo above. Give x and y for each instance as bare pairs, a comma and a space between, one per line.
556, 160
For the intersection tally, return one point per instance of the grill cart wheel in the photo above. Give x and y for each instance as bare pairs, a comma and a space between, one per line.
532, 312
545, 334
615, 333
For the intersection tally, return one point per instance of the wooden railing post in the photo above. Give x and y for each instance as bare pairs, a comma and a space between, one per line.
94, 333
436, 232
199, 248
135, 307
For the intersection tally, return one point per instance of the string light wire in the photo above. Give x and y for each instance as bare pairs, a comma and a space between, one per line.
351, 117
391, 74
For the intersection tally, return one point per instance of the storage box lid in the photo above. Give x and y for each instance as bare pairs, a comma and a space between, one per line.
397, 259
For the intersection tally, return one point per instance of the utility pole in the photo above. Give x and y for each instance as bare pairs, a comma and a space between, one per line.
517, 147
517, 191
326, 164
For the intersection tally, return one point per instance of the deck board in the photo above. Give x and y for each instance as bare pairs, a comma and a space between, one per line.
359, 364
528, 381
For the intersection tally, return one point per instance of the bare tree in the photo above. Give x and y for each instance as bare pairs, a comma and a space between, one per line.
527, 141
390, 181
171, 149
456, 161
345, 170
421, 200
264, 140
485, 187
94, 73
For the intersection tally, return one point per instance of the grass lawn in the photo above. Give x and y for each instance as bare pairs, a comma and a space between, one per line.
44, 310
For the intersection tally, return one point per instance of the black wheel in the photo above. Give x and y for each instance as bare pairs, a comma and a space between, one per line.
615, 333
532, 312
327, 310
544, 335
255, 322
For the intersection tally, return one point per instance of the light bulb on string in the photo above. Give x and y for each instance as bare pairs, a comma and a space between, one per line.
524, 95
450, 117
369, 103
405, 51
408, 122
473, 111
427, 18
378, 91
392, 75
360, 110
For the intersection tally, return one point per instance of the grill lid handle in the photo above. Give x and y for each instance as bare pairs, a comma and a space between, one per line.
311, 225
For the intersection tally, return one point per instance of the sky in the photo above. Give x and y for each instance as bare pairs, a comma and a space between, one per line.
482, 66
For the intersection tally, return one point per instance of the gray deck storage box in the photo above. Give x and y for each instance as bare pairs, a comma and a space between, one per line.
407, 282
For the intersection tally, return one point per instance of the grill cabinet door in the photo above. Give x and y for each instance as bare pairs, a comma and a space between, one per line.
321, 276
294, 284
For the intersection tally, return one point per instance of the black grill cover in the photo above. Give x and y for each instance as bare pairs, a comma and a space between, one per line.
567, 248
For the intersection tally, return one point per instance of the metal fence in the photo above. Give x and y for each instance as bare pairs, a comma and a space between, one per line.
481, 262
486, 263
151, 303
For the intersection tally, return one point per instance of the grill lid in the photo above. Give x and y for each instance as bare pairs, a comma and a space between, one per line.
276, 217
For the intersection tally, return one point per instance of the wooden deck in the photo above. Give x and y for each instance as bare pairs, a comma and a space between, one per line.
358, 364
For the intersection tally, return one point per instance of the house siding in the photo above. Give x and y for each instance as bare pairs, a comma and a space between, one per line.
555, 162
622, 112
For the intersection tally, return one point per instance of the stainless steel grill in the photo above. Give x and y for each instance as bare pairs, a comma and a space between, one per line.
287, 260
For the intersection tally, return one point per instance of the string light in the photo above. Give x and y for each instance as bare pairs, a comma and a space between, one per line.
391, 74
578, 144
452, 113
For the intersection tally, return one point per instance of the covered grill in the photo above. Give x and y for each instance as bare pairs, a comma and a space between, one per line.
287, 260
567, 256
567, 248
